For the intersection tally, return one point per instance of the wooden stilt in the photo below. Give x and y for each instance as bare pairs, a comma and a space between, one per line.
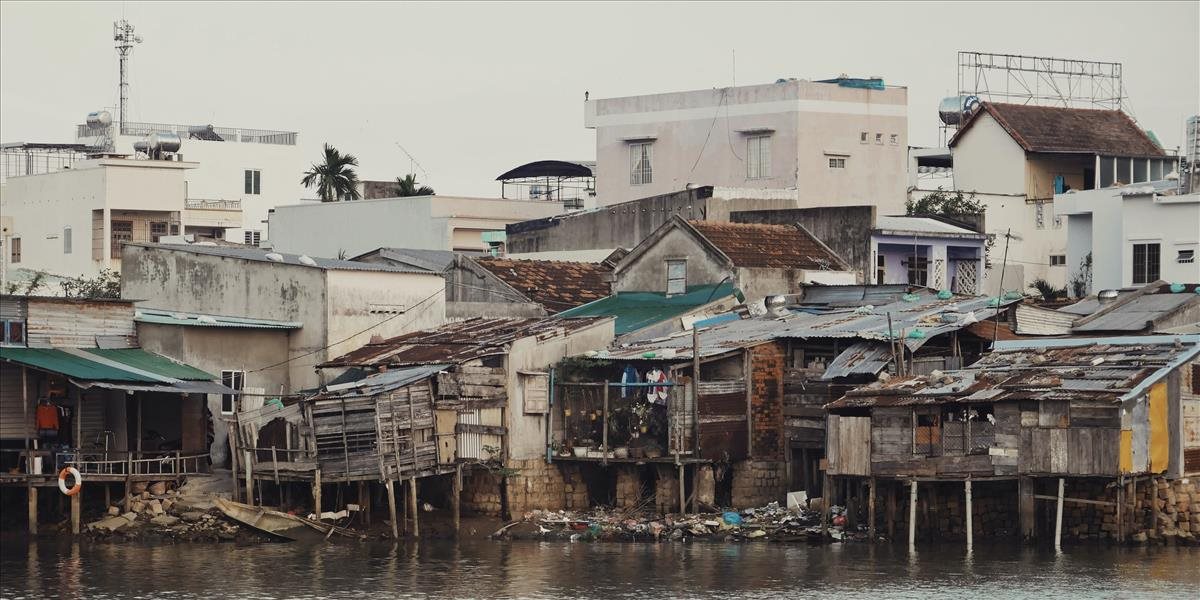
76, 506
316, 493
457, 499
391, 494
682, 497
696, 489
1058, 517
412, 495
33, 510
871, 508
364, 503
129, 481
107, 496
826, 503
912, 514
970, 531
249, 478
1025, 508
891, 511
1120, 508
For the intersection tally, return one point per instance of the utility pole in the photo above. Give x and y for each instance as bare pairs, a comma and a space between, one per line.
125, 39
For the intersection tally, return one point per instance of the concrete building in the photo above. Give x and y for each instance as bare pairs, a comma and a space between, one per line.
73, 222
760, 260
1133, 234
422, 222
835, 142
230, 308
928, 252
1015, 158
251, 169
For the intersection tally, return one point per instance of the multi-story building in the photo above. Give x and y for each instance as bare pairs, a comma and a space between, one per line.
836, 142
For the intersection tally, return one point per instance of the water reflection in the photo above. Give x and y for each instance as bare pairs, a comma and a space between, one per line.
60, 569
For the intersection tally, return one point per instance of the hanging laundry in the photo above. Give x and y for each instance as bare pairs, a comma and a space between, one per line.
630, 375
656, 394
46, 418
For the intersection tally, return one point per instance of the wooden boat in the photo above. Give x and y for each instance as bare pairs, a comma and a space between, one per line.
281, 524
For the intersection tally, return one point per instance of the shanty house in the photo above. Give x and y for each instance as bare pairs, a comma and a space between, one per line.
760, 260
928, 252
1093, 411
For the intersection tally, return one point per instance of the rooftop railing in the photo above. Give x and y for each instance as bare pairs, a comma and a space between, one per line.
201, 203
223, 134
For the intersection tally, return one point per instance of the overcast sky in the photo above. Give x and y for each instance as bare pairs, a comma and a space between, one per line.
472, 90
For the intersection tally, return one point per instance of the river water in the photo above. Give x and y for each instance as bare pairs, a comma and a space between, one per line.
55, 568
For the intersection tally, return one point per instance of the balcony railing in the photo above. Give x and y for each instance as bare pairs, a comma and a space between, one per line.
225, 134
204, 204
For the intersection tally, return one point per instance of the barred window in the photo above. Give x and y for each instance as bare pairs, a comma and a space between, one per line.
758, 157
640, 169
1146, 263
122, 231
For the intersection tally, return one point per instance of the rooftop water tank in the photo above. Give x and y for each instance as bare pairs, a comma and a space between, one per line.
160, 141
955, 109
99, 119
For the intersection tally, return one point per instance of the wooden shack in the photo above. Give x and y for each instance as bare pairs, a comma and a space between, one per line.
1107, 409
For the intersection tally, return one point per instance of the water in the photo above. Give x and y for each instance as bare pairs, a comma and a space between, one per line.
484, 569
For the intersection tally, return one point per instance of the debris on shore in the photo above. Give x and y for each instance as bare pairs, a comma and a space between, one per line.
160, 514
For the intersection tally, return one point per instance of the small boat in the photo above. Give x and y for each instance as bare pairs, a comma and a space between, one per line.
281, 524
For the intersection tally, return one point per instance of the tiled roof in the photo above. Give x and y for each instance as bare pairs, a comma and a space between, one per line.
553, 284
775, 246
1069, 130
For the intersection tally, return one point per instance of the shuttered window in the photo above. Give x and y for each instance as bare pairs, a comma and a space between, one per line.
535, 388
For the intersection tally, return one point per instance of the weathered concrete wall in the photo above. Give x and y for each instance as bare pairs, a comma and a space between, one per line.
845, 229
756, 483
535, 485
759, 282
648, 272
459, 311
362, 303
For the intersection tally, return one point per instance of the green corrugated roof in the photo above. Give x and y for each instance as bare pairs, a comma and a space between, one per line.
635, 310
76, 364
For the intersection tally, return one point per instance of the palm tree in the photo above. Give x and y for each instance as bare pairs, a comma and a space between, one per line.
407, 186
334, 177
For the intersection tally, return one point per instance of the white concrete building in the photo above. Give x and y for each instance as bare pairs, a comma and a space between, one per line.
929, 252
1135, 234
836, 142
420, 222
251, 169
73, 222
1014, 158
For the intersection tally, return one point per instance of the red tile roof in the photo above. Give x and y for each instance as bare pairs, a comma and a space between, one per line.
1067, 130
773, 246
557, 285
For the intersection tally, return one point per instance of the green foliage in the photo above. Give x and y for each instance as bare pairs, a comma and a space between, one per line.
334, 177
1048, 292
105, 285
33, 285
945, 203
1081, 281
407, 186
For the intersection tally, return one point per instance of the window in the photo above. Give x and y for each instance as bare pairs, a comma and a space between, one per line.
758, 157
253, 181
1145, 263
14, 333
158, 230
676, 277
894, 139
16, 249
927, 434
640, 170
837, 162
864, 137
235, 380
122, 231
1186, 257
174, 228
67, 241
1058, 260
535, 389
879, 139
880, 268
252, 237
918, 270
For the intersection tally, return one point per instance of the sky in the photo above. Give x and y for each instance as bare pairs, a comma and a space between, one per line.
472, 90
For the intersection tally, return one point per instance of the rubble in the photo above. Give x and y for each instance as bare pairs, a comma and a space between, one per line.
168, 516
766, 523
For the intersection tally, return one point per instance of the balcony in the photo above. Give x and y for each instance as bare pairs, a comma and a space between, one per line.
203, 212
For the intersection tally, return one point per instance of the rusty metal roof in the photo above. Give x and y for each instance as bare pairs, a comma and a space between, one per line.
457, 343
1081, 369
772, 246
557, 285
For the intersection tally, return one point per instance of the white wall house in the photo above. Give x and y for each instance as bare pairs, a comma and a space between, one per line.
421, 222
1135, 234
73, 222
929, 252
839, 142
253, 170
1014, 158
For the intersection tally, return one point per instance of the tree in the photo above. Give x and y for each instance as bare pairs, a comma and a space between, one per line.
334, 177
407, 186
105, 285
945, 203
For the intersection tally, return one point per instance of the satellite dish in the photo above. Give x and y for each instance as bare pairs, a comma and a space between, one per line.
274, 257
304, 258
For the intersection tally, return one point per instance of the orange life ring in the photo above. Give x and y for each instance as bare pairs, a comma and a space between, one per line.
62, 481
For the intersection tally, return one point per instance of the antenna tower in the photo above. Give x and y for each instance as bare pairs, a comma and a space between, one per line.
125, 39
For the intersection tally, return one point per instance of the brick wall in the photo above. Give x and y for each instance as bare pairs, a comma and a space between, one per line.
756, 483
767, 362
535, 485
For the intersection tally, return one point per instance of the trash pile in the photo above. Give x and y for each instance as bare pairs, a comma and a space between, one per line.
158, 513
767, 523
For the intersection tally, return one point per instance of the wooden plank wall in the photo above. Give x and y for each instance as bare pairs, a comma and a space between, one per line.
77, 324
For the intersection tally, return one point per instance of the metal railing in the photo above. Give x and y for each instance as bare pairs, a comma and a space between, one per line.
227, 134
112, 462
201, 203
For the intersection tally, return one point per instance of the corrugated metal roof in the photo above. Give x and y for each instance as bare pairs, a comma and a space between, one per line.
1033, 320
635, 310
416, 258
97, 364
377, 383
1138, 313
924, 226
166, 317
865, 358
260, 255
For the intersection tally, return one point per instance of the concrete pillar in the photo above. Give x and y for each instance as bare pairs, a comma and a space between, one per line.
1025, 507
316, 493
391, 494
33, 510
412, 496
1058, 514
970, 532
912, 514
76, 507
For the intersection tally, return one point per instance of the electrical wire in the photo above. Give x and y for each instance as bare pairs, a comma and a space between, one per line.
716, 115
